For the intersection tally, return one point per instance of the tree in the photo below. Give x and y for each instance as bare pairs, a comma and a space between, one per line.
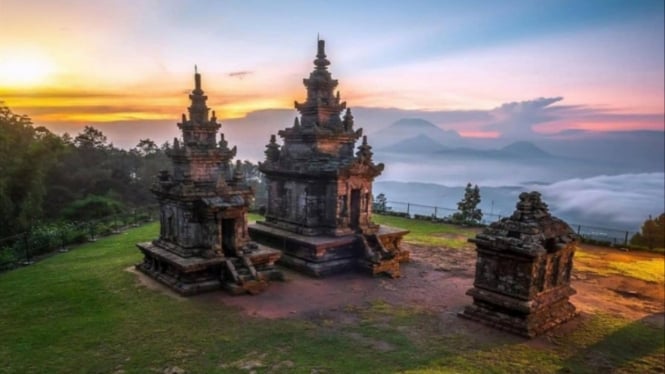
652, 234
146, 147
26, 155
468, 212
90, 138
92, 207
380, 203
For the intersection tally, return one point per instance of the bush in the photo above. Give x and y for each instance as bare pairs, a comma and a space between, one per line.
598, 242
92, 207
8, 258
396, 214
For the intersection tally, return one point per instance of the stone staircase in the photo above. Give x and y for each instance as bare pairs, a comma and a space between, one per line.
378, 258
240, 276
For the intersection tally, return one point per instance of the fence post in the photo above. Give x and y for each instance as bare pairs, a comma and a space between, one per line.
26, 243
63, 241
625, 239
116, 230
91, 231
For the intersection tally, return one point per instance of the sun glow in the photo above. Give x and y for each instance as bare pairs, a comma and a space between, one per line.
27, 69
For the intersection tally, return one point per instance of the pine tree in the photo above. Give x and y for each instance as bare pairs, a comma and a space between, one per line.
380, 203
652, 234
468, 212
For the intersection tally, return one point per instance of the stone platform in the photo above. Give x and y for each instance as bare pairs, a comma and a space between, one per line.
526, 318
193, 275
320, 256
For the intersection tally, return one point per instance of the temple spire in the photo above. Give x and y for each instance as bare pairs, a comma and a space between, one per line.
197, 79
198, 110
321, 62
364, 153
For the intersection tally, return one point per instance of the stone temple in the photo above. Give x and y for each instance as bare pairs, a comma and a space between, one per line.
320, 194
523, 270
203, 242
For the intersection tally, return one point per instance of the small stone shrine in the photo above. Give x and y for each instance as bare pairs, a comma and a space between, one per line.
523, 269
203, 242
320, 195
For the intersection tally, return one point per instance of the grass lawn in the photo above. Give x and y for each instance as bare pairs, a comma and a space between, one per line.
429, 233
81, 312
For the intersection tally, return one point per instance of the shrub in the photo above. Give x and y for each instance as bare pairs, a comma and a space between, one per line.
92, 207
8, 258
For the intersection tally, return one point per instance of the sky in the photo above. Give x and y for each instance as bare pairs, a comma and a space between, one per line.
597, 64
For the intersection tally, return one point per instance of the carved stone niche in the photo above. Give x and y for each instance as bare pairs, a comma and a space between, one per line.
522, 281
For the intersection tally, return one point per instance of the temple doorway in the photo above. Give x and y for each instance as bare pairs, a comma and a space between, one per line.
229, 236
355, 209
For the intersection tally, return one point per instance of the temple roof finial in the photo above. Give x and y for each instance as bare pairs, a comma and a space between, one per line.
321, 62
197, 79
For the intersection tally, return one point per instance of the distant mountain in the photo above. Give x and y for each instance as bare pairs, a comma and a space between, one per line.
633, 151
418, 144
413, 124
524, 149
408, 128
423, 144
517, 150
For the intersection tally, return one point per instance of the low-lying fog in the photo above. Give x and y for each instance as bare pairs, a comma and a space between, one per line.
581, 193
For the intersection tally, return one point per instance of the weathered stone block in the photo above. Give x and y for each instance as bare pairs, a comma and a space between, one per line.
522, 281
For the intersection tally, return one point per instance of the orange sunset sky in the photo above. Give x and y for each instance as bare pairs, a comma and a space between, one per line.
91, 62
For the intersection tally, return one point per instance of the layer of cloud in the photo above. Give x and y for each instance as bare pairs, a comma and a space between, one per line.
625, 199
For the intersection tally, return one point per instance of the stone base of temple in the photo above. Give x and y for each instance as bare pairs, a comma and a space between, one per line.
320, 256
194, 275
525, 318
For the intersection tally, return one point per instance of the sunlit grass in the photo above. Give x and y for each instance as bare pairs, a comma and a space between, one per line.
644, 267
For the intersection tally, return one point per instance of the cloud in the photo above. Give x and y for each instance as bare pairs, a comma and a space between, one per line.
624, 199
239, 74
517, 119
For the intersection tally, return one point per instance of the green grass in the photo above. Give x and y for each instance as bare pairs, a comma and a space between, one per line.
253, 217
81, 312
429, 233
421, 232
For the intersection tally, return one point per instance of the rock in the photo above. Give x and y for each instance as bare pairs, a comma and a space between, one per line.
174, 370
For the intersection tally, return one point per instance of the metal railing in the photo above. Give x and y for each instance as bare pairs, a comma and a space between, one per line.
45, 238
431, 212
592, 234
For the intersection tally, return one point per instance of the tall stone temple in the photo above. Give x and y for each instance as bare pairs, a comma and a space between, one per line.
203, 241
320, 193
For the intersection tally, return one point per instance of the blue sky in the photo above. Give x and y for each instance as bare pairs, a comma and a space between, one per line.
115, 60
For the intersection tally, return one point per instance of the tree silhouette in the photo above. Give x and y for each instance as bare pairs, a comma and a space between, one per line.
380, 203
652, 234
468, 212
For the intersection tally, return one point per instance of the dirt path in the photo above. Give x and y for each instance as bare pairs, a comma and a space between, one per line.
436, 280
